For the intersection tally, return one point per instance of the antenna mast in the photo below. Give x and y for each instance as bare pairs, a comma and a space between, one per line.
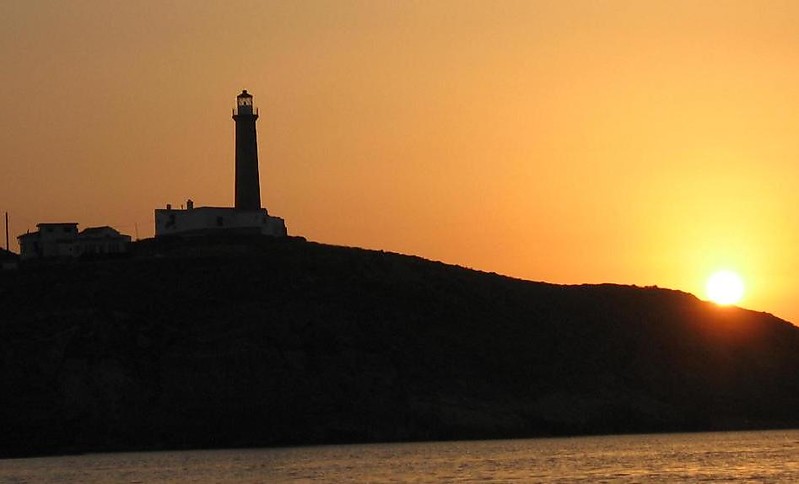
7, 231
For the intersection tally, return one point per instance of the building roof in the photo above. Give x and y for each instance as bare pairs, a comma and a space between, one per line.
98, 230
207, 209
55, 224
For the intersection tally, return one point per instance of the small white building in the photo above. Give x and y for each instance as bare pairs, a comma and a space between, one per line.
102, 240
208, 220
62, 240
52, 240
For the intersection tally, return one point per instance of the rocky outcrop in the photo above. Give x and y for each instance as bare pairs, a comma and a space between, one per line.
220, 343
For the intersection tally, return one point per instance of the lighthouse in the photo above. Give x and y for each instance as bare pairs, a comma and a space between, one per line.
247, 216
248, 186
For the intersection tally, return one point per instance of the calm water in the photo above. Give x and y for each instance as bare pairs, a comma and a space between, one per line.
735, 456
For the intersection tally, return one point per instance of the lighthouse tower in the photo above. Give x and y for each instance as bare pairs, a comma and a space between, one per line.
248, 187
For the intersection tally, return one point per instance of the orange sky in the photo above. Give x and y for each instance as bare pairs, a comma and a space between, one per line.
636, 142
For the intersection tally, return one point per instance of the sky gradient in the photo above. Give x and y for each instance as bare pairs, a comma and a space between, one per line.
646, 143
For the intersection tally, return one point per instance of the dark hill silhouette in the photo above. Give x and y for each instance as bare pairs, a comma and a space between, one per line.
220, 343
8, 256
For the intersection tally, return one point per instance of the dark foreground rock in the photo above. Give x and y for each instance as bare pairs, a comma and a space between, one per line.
223, 343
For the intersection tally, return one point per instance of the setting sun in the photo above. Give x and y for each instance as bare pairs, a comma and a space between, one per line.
725, 287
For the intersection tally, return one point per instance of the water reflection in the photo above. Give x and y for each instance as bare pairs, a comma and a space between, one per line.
740, 456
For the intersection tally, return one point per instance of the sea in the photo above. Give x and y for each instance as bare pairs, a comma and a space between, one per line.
768, 456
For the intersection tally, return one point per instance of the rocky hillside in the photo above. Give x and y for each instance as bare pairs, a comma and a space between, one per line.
253, 342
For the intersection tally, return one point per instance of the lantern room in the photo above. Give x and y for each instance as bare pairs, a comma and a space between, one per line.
244, 103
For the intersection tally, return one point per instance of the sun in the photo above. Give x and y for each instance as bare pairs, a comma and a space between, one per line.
725, 287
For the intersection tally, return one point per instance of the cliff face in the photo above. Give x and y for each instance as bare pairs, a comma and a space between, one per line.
269, 342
